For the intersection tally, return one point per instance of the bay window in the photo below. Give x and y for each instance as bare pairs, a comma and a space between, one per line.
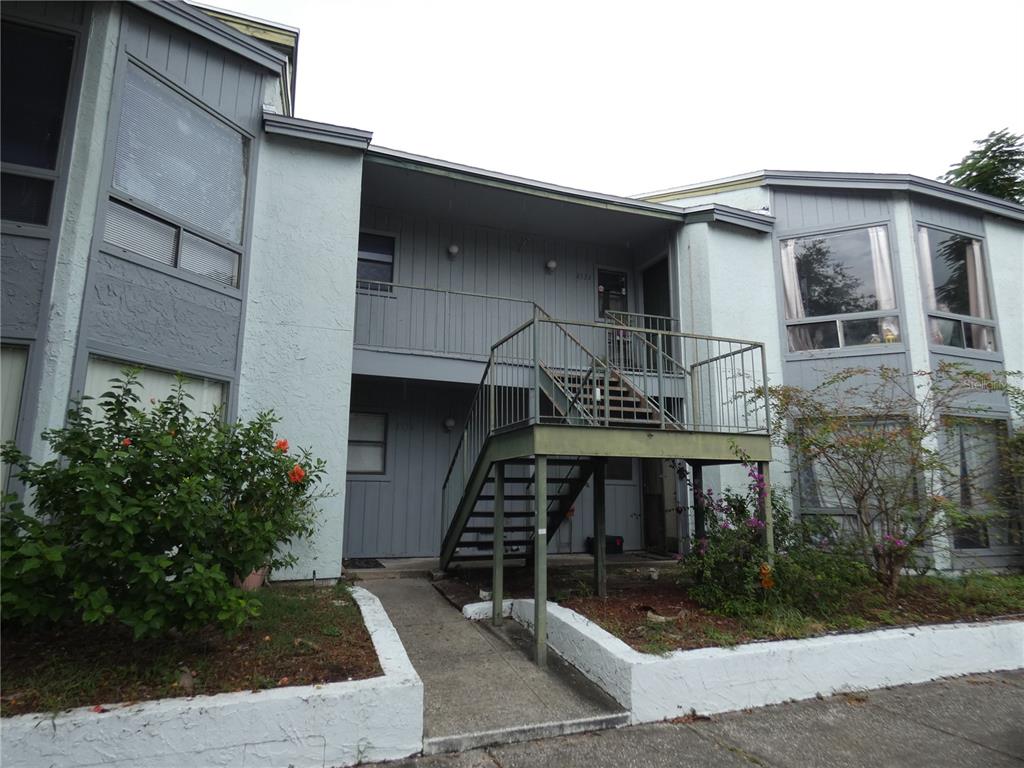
985, 492
839, 290
955, 287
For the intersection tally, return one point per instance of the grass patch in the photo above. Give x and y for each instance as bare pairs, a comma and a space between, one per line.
303, 636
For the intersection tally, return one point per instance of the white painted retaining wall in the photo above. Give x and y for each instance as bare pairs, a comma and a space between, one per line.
337, 724
712, 680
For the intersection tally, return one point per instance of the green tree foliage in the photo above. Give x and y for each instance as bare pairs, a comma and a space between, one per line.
996, 167
147, 517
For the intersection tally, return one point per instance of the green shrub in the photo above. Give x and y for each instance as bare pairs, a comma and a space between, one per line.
731, 570
147, 517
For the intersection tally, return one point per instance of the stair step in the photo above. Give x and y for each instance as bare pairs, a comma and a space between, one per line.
490, 529
489, 544
490, 513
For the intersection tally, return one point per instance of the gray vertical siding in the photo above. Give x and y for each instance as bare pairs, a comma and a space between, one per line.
225, 82
399, 514
797, 209
499, 262
928, 211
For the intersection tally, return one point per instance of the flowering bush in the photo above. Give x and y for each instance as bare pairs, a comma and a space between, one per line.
731, 569
147, 517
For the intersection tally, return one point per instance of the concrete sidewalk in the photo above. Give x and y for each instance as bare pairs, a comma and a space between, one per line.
975, 721
480, 685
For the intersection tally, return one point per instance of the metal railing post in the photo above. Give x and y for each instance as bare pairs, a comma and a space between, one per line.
536, 367
607, 399
491, 425
661, 383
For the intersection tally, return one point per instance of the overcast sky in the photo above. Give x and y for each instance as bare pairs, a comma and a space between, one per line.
633, 96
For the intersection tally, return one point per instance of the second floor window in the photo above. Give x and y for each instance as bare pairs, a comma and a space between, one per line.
376, 260
36, 71
179, 182
955, 286
839, 290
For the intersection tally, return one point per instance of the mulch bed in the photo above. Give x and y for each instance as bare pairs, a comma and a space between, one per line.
656, 615
304, 636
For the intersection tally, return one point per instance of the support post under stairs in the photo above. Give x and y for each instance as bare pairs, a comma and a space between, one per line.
600, 537
498, 560
540, 560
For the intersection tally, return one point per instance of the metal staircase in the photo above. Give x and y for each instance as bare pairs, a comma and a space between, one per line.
544, 382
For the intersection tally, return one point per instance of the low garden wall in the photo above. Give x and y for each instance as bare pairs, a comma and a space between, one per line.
712, 680
336, 724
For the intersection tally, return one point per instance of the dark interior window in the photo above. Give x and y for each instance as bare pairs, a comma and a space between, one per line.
376, 258
36, 67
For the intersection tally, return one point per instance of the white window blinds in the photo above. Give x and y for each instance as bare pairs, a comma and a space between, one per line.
179, 158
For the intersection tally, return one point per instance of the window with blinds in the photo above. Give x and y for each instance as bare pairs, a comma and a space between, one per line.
179, 158
179, 182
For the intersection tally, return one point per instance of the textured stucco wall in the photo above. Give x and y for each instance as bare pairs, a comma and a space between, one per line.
83, 192
22, 272
143, 309
297, 346
337, 724
1005, 243
733, 292
712, 680
749, 199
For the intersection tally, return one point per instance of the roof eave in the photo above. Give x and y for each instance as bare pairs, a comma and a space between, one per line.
309, 130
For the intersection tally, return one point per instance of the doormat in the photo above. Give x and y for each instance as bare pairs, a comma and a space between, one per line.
362, 562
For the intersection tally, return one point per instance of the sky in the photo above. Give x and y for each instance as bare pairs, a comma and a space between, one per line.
635, 96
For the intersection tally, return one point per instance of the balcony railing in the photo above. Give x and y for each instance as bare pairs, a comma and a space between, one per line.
407, 318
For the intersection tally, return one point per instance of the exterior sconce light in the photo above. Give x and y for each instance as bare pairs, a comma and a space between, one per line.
551, 266
449, 424
453, 251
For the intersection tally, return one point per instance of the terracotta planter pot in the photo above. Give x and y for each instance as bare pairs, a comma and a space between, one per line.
253, 581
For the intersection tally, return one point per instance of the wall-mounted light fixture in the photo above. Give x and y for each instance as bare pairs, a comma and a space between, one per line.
551, 266
449, 424
453, 251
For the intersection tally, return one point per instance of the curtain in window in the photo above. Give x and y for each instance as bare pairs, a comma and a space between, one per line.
881, 264
791, 281
13, 361
208, 394
925, 268
977, 290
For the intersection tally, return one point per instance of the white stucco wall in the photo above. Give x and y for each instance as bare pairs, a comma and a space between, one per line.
742, 303
1004, 240
749, 199
713, 680
83, 192
297, 348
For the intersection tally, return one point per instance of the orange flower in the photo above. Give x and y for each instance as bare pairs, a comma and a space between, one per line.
126, 442
296, 474
767, 580
281, 445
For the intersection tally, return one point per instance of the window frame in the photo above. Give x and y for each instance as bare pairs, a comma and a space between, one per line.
384, 474
843, 350
1003, 426
159, 367
118, 196
380, 290
57, 176
993, 322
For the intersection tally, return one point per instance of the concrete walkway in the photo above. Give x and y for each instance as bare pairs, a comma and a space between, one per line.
975, 721
480, 686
